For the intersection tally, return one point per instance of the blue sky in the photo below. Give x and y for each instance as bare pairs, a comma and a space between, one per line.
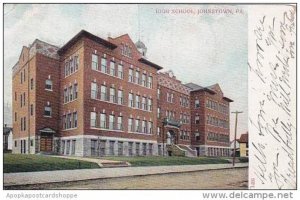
204, 49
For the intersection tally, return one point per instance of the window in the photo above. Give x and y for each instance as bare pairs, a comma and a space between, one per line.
112, 96
144, 149
48, 84
144, 104
137, 125
159, 150
31, 109
103, 65
144, 81
158, 94
21, 123
103, 93
137, 149
67, 69
150, 127
137, 77
21, 98
150, 146
63, 147
71, 93
73, 147
16, 116
94, 90
172, 98
120, 123
130, 125
102, 147
158, 130
150, 81
76, 62
150, 104
197, 120
130, 75
66, 96
75, 120
144, 126
197, 136
64, 120
24, 99
197, 104
168, 97
111, 122
68, 147
103, 120
130, 146
120, 148
31, 83
126, 50
24, 124
24, 75
137, 101
130, 100
111, 147
16, 96
112, 68
31, 142
93, 119
48, 111
69, 118
120, 71
93, 147
21, 77
75, 92
120, 97
95, 62
158, 112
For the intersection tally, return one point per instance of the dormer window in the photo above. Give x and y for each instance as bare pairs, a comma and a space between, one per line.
126, 50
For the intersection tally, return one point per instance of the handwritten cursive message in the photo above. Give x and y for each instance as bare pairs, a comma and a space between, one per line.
272, 96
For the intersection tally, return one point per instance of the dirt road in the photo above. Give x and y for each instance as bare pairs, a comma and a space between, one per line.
212, 179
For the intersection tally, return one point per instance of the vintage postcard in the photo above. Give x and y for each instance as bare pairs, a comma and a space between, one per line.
150, 97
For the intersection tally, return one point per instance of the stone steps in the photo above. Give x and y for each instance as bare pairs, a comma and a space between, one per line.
190, 152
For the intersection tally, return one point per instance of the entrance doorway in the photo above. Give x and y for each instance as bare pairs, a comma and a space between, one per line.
46, 142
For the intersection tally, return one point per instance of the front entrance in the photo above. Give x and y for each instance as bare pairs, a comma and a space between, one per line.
198, 151
46, 142
172, 137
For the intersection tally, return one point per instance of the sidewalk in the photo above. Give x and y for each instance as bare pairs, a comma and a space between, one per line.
27, 178
101, 162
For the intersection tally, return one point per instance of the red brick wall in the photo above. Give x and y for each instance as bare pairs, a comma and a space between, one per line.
46, 67
175, 107
76, 105
19, 88
38, 68
203, 128
89, 104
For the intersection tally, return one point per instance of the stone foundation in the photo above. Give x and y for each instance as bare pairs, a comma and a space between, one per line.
213, 151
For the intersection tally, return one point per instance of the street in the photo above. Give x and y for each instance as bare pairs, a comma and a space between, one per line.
209, 179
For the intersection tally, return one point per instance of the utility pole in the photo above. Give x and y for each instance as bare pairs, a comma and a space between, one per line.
235, 130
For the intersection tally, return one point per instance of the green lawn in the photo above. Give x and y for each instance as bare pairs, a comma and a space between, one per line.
29, 163
159, 161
